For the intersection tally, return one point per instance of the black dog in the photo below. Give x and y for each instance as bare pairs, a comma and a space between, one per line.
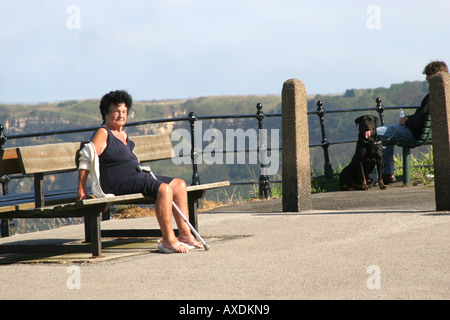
368, 154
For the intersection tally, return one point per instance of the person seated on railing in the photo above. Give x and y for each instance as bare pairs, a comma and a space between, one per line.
111, 153
408, 129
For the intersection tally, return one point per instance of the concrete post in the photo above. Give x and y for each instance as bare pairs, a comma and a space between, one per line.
296, 167
440, 126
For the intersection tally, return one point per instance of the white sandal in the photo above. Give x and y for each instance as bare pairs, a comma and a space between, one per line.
163, 249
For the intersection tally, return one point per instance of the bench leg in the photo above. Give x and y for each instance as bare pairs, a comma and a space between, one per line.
406, 166
93, 234
87, 229
106, 214
96, 239
193, 205
8, 228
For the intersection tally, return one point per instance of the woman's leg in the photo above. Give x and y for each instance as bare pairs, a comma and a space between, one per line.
179, 190
163, 208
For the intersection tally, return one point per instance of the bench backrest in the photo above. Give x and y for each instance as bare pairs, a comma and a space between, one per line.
40, 159
48, 158
149, 148
426, 136
63, 156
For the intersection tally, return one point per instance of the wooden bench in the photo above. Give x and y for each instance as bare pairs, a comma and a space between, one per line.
59, 157
424, 139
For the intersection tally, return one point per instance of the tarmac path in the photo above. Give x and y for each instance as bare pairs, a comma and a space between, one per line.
352, 245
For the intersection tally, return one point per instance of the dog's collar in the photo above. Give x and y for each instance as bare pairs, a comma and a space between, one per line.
367, 141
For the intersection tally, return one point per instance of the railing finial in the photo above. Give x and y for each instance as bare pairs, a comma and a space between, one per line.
380, 109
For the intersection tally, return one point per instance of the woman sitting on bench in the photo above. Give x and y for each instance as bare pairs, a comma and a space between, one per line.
119, 174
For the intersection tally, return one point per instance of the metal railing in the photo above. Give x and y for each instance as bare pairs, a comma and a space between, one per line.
192, 118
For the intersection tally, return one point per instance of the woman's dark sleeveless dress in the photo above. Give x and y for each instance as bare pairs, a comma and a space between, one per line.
118, 170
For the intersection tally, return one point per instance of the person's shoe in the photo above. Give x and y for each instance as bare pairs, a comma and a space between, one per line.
388, 178
173, 248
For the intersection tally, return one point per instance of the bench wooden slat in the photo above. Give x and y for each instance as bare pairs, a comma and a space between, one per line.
150, 148
54, 157
115, 199
140, 196
52, 212
207, 186
8, 208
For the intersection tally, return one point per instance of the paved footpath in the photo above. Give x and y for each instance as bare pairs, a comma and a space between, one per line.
352, 245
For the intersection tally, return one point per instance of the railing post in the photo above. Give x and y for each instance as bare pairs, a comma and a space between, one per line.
194, 153
325, 144
379, 108
3, 179
264, 183
7, 227
296, 173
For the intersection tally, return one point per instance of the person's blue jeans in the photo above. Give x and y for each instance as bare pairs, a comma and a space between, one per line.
393, 132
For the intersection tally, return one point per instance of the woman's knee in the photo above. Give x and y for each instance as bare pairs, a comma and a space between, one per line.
178, 185
165, 191
179, 190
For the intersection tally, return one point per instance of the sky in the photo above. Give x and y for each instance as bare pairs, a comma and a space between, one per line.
56, 50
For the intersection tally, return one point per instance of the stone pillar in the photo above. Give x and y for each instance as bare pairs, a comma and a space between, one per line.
296, 167
440, 127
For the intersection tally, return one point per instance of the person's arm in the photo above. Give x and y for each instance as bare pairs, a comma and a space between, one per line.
82, 190
416, 120
99, 141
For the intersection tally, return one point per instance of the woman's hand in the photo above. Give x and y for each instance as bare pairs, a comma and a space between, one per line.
82, 190
82, 194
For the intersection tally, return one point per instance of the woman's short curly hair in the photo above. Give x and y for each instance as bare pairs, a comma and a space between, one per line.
114, 98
